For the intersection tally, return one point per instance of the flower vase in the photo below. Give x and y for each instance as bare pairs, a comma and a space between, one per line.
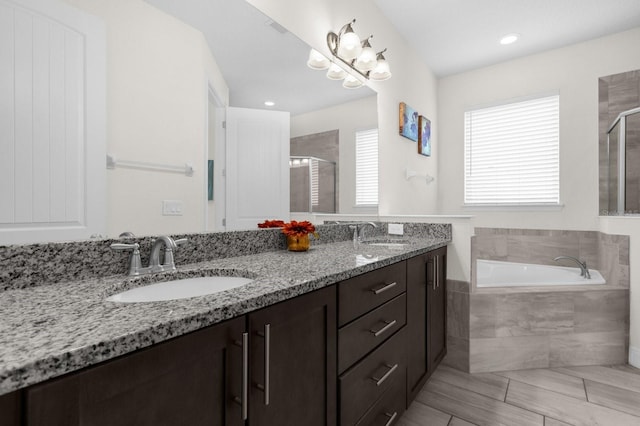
298, 243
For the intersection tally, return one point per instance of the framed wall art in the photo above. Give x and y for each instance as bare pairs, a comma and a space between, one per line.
424, 136
408, 122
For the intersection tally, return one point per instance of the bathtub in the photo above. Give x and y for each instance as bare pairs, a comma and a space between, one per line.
493, 273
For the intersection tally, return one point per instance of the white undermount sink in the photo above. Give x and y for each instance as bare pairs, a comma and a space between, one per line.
391, 243
179, 289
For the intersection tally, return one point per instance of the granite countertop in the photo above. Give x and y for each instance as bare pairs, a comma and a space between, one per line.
49, 330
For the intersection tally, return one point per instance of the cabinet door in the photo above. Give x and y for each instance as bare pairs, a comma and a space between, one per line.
417, 273
437, 308
10, 409
193, 379
293, 361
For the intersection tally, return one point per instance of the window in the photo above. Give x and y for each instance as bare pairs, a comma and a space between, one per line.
367, 167
512, 154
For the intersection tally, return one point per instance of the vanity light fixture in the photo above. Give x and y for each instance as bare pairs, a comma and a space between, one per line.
359, 62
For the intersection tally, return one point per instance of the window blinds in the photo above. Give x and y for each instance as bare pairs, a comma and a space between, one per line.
512, 153
367, 167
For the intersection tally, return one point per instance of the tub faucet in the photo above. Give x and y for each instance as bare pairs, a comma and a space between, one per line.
584, 271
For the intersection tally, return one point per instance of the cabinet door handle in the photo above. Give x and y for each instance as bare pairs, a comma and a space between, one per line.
435, 271
381, 380
384, 288
267, 362
388, 325
245, 376
392, 417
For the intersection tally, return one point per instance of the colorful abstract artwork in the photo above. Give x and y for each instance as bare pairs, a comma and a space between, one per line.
424, 137
408, 122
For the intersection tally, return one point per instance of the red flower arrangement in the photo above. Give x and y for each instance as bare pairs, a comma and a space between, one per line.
299, 229
271, 224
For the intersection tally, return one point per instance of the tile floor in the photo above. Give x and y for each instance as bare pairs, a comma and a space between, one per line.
594, 395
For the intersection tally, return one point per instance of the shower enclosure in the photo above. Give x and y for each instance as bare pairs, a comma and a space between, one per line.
313, 184
623, 151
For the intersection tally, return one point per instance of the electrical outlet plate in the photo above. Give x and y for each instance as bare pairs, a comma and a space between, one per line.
172, 208
396, 229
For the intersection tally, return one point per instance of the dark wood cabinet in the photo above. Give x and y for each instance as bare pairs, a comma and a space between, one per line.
11, 409
288, 349
293, 362
372, 346
188, 380
426, 317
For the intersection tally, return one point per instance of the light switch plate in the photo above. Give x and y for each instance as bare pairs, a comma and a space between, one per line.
396, 229
172, 207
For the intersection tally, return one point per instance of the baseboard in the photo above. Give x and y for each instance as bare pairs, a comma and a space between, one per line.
634, 356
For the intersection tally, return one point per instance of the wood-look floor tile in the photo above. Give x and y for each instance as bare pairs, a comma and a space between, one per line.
626, 368
565, 408
459, 422
419, 414
606, 375
487, 384
548, 421
550, 380
614, 397
475, 408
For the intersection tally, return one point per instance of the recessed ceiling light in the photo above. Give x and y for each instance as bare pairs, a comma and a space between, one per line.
269, 103
509, 38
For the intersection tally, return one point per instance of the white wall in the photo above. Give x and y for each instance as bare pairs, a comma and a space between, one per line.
157, 72
412, 82
347, 118
573, 72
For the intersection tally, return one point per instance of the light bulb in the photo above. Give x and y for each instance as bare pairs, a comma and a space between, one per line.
381, 71
350, 82
335, 72
366, 61
349, 46
317, 60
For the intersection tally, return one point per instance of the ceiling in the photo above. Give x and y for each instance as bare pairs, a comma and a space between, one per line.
261, 61
454, 36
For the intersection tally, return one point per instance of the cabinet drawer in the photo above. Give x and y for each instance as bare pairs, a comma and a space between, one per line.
362, 335
362, 385
363, 293
388, 409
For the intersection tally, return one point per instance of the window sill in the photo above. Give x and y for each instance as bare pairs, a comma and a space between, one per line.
514, 207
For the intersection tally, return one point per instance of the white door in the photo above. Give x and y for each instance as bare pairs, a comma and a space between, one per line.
257, 167
52, 131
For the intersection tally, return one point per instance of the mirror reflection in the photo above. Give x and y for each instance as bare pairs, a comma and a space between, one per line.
171, 68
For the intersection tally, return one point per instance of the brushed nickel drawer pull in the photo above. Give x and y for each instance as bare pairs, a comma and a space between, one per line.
388, 325
384, 288
381, 380
392, 417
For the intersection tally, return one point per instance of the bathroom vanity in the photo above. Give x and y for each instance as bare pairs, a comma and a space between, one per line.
329, 346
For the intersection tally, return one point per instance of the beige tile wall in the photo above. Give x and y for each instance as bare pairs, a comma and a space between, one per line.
521, 330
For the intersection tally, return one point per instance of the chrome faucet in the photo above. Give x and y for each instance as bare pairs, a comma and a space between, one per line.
584, 271
135, 264
358, 231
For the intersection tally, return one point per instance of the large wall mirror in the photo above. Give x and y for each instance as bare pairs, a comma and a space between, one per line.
166, 62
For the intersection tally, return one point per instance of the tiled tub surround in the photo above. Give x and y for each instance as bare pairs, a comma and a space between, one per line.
527, 327
49, 330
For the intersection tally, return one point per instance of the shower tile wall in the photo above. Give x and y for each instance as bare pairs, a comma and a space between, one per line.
325, 145
618, 93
